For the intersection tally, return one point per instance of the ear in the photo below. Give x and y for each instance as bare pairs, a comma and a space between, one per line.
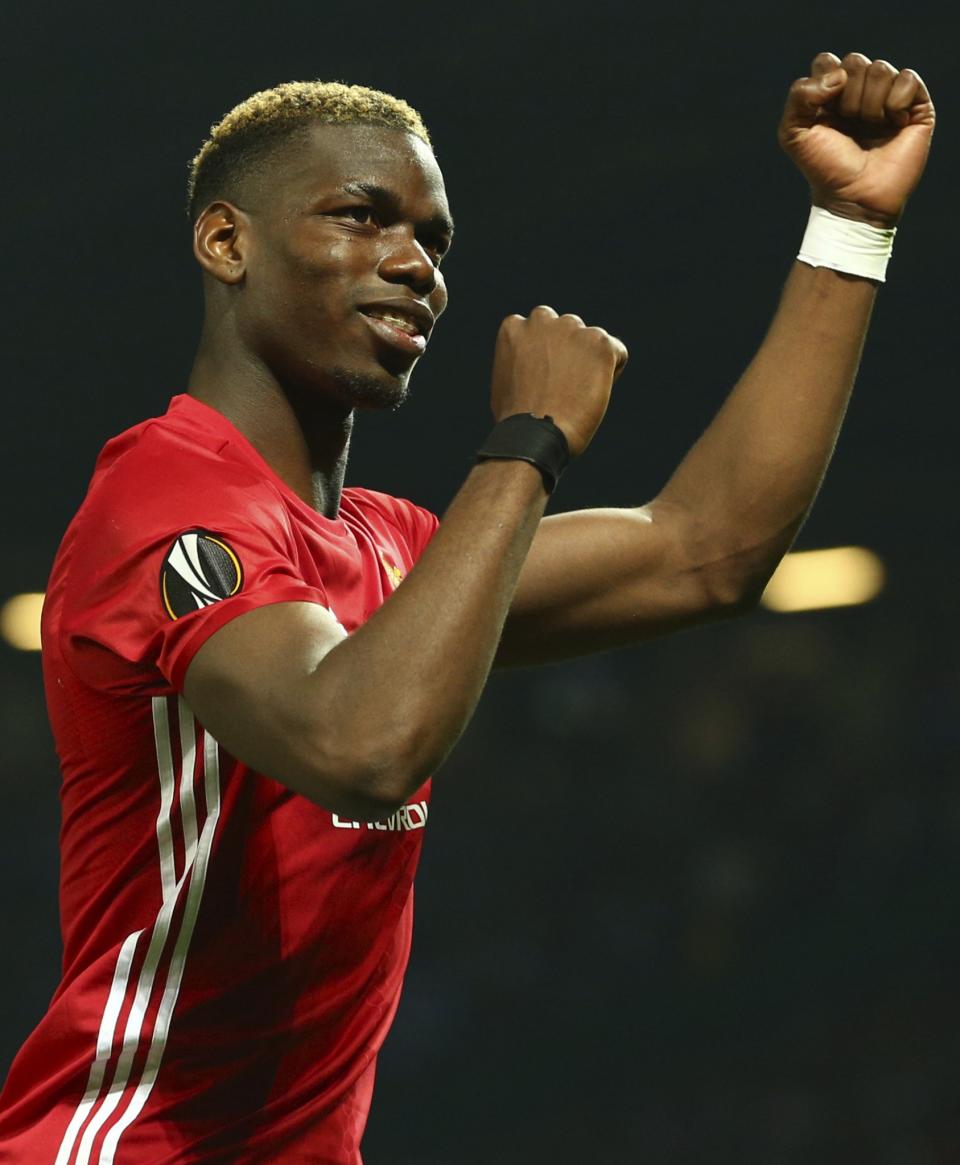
220, 239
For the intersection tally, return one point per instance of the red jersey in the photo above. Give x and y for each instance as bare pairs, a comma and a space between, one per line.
233, 953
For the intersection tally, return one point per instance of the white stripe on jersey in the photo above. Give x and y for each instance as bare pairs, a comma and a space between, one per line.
211, 769
161, 738
118, 990
188, 751
196, 859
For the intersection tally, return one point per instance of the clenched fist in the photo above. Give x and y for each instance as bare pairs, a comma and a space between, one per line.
860, 132
556, 366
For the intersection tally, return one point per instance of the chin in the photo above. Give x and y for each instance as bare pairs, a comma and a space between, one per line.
364, 390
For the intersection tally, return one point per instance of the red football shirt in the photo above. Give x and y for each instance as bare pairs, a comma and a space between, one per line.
233, 953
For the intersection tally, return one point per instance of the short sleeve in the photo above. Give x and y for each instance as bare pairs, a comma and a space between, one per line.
162, 556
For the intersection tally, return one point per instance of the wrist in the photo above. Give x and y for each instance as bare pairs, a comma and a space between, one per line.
846, 245
856, 213
503, 470
536, 440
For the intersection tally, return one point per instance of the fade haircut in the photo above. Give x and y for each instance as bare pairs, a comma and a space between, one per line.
243, 138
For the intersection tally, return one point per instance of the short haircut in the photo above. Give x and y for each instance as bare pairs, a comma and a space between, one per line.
243, 138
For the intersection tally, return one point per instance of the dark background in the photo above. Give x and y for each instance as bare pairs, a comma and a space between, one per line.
694, 903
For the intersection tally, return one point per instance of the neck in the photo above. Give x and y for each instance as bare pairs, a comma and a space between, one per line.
304, 439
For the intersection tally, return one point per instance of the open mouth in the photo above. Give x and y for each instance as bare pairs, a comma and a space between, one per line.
397, 328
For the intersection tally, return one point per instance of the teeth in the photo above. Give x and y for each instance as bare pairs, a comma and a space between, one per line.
396, 321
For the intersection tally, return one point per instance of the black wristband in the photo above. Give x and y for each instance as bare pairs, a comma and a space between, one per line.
524, 437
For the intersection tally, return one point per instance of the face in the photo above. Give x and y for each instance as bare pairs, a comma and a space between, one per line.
340, 241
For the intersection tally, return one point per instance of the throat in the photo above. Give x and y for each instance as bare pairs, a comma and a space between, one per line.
305, 442
325, 492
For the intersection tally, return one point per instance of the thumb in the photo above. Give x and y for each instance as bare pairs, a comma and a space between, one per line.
809, 95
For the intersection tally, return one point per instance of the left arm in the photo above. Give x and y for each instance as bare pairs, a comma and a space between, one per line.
707, 545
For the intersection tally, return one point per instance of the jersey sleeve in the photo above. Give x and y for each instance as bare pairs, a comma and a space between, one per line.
159, 561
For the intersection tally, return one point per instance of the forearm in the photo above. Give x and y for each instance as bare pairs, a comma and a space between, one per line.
357, 723
748, 482
859, 131
397, 694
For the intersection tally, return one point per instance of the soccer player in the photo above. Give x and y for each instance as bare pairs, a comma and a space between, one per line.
252, 672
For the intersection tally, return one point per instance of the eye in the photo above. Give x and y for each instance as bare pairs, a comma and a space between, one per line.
365, 215
436, 249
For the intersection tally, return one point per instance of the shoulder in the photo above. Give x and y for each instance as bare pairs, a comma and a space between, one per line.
155, 479
161, 463
152, 487
178, 531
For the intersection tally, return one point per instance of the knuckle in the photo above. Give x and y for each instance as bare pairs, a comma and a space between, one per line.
856, 60
881, 68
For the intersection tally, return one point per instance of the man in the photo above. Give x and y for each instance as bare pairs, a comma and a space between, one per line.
246, 709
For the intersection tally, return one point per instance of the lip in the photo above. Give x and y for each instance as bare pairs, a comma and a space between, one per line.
414, 310
413, 344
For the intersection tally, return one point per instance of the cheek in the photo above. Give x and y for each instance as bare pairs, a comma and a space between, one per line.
305, 289
439, 297
323, 282
321, 250
312, 278
323, 259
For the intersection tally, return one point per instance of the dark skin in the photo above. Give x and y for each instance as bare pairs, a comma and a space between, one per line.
357, 724
320, 245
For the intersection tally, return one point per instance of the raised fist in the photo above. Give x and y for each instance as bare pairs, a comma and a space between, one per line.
556, 366
860, 132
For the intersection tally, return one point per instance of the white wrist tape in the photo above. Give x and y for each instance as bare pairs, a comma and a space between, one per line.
844, 245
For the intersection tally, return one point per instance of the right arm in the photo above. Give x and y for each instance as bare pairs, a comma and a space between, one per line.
357, 724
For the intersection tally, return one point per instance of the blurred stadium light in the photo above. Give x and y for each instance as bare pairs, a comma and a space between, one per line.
814, 579
805, 581
20, 621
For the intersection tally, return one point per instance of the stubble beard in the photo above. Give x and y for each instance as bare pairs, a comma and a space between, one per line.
363, 391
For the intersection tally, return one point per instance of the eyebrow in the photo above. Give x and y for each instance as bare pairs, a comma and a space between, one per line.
389, 198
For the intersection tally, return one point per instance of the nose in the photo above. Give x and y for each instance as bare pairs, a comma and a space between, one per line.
408, 263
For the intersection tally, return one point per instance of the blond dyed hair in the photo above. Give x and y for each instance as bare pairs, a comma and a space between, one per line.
244, 136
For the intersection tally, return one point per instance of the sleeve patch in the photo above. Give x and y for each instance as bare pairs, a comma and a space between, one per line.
199, 569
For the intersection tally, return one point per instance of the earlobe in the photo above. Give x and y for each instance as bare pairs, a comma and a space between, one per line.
219, 242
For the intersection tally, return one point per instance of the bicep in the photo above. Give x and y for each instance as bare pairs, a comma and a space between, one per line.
251, 684
599, 579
